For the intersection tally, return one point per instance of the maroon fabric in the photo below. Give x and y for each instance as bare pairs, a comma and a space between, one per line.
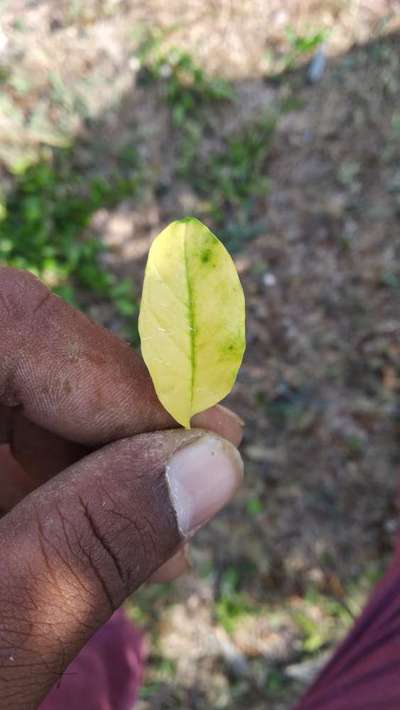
106, 674
364, 673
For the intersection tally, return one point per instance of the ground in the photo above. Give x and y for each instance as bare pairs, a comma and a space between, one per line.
116, 117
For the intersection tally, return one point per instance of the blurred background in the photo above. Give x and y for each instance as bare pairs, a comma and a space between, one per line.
277, 124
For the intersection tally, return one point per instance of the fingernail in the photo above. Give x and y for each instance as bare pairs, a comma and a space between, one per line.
203, 477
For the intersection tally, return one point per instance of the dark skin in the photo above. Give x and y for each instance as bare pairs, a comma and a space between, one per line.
86, 511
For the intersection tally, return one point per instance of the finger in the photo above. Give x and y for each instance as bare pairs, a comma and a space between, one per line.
223, 421
173, 568
68, 375
72, 550
35, 456
42, 454
14, 483
14, 486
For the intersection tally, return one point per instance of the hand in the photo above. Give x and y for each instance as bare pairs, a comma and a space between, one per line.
94, 499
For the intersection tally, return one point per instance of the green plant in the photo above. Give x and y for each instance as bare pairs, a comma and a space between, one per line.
228, 181
234, 175
163, 671
43, 228
232, 180
302, 45
254, 506
322, 618
314, 635
276, 681
187, 88
232, 604
390, 279
298, 48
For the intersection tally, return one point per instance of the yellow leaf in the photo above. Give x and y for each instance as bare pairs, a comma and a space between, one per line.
192, 319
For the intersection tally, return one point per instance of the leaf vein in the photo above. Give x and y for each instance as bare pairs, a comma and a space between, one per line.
164, 281
164, 331
192, 324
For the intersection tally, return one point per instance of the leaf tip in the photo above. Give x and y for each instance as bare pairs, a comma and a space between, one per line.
188, 220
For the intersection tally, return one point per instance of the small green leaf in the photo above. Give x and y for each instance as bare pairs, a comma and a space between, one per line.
192, 319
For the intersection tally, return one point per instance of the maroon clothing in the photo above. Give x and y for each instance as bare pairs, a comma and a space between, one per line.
364, 673
106, 674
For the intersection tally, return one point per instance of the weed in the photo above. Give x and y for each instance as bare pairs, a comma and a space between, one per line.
231, 604
314, 634
234, 174
299, 47
354, 446
42, 229
292, 407
163, 670
232, 180
304, 44
276, 682
390, 280
322, 618
227, 182
187, 88
254, 506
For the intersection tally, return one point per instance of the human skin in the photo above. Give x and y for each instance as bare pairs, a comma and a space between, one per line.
98, 489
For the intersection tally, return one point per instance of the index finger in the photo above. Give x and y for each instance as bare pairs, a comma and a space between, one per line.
71, 376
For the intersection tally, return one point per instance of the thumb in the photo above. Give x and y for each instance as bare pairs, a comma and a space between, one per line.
74, 549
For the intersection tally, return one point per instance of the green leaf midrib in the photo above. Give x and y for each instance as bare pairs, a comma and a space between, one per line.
191, 317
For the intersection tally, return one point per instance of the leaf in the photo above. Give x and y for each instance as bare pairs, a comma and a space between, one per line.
192, 319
